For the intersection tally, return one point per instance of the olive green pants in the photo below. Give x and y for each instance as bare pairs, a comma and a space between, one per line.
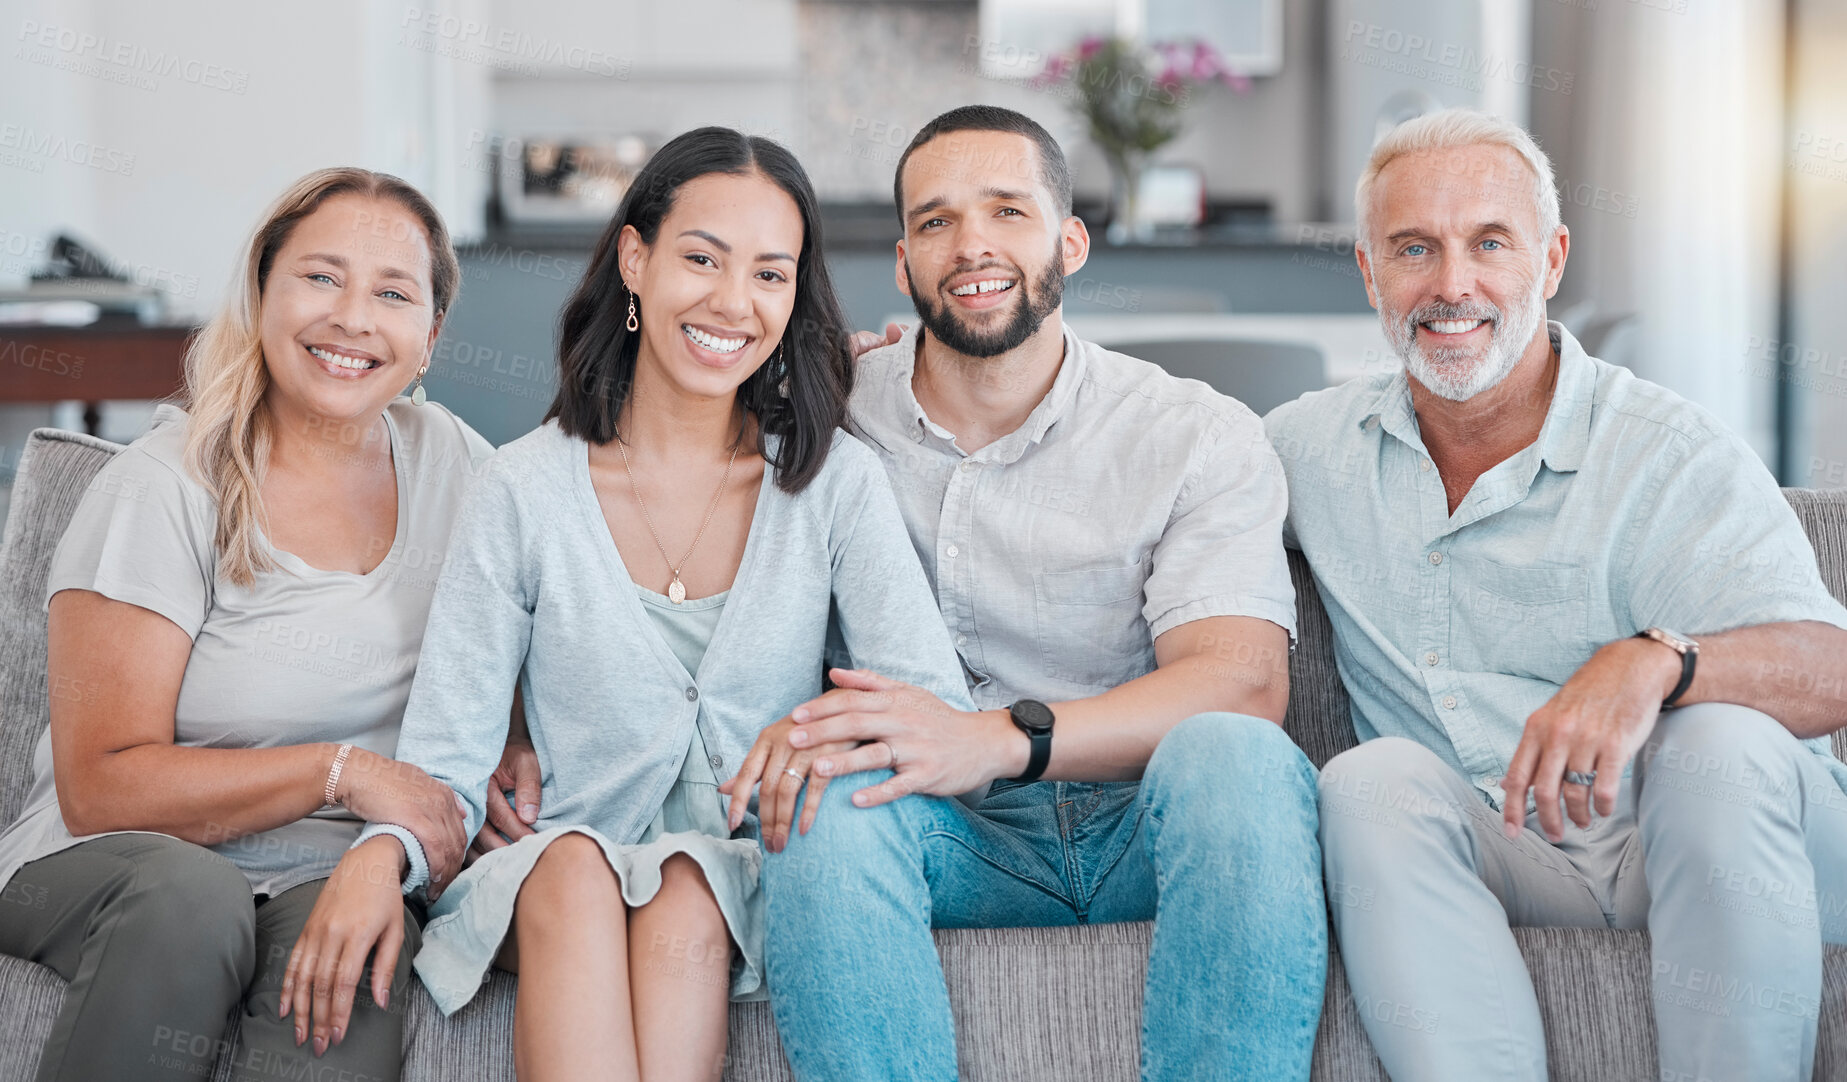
172, 964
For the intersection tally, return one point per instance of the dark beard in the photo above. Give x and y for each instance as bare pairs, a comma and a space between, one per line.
1042, 297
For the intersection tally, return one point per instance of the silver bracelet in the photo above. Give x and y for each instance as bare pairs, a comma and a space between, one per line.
333, 775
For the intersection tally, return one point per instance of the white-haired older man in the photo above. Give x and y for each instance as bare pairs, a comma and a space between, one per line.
1541, 569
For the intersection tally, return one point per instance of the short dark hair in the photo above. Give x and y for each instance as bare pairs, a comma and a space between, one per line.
1054, 170
596, 351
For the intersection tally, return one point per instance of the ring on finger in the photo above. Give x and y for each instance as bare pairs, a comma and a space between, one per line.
1580, 777
796, 774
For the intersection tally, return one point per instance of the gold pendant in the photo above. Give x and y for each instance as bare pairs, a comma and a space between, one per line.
676, 591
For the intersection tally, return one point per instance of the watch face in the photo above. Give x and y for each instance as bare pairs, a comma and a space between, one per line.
1032, 714
1671, 638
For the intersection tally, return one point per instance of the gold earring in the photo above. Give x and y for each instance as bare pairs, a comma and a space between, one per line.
633, 324
417, 395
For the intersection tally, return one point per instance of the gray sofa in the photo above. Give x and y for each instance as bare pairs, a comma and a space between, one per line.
1030, 1004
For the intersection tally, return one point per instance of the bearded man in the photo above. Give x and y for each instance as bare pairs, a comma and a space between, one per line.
1105, 543
1592, 662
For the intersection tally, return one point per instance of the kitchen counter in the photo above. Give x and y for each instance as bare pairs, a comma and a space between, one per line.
874, 227
495, 361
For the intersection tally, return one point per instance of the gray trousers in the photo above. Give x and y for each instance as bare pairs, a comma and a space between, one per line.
167, 954
1729, 844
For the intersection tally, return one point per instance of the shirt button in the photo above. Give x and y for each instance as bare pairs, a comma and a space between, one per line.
1430, 658
692, 695
717, 761
968, 464
1449, 702
961, 640
1424, 464
952, 551
1436, 558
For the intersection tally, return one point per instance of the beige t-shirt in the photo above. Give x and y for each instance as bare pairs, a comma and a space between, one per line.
301, 656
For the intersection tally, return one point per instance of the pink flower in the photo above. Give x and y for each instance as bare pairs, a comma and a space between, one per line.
1173, 67
1205, 62
1056, 68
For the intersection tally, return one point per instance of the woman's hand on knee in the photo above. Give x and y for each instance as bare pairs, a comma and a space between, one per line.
778, 771
360, 912
381, 790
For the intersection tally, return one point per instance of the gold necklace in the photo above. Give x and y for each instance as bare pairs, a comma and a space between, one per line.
676, 590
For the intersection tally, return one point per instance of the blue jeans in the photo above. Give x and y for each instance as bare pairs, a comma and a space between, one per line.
1217, 844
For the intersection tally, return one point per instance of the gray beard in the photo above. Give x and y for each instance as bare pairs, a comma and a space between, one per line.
1447, 373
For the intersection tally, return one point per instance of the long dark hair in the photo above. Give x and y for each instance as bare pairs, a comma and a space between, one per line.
596, 351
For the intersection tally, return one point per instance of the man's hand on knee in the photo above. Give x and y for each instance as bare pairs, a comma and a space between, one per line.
1592, 727
929, 746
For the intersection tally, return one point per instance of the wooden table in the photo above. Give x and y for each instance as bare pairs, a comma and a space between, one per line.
106, 360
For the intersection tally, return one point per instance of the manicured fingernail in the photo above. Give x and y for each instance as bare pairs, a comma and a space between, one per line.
337, 1034
800, 714
798, 739
320, 1045
300, 1036
860, 799
824, 766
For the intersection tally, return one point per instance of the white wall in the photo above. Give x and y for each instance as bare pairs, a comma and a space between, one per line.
1671, 143
207, 118
1812, 357
873, 73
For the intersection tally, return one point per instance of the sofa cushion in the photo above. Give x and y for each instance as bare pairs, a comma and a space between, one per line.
54, 470
30, 996
1077, 1017
1030, 1003
1824, 516
1319, 718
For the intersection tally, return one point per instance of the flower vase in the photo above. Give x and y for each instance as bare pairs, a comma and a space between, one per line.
1125, 198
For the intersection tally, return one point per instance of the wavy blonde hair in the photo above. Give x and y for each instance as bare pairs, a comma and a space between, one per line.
228, 434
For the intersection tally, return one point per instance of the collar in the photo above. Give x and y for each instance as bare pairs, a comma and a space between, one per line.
1050, 410
1563, 439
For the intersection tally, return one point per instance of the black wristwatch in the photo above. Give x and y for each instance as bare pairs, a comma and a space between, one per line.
1689, 654
1034, 718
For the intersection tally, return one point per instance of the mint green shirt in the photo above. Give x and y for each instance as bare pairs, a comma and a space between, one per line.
1634, 508
533, 592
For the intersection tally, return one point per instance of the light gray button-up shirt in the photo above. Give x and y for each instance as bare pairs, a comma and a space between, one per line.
1129, 503
1634, 508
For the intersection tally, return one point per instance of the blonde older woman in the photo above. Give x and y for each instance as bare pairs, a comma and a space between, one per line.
241, 598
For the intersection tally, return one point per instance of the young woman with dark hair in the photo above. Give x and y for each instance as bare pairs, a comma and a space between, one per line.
654, 569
